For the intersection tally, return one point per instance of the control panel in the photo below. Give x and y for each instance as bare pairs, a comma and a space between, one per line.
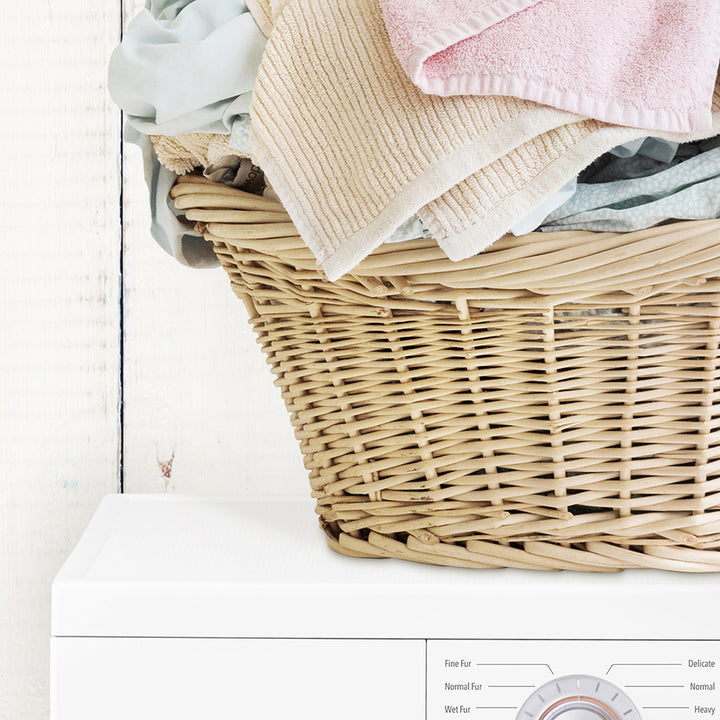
573, 679
579, 696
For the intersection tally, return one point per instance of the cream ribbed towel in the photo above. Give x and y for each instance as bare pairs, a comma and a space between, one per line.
262, 11
353, 148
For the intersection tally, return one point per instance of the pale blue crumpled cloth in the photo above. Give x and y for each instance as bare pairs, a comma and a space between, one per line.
536, 217
656, 148
689, 190
187, 66
168, 226
184, 66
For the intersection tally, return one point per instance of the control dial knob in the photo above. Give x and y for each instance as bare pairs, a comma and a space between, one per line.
578, 697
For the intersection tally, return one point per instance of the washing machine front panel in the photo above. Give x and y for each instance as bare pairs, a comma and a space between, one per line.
557, 679
182, 607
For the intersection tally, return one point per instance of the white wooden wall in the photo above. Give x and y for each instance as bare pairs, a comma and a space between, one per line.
148, 380
200, 409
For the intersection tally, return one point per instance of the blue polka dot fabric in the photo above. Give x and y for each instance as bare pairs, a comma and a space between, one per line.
689, 190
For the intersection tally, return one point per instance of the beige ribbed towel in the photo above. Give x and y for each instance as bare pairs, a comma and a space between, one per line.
262, 11
353, 148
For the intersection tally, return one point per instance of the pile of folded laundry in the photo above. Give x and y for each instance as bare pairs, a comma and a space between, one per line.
381, 120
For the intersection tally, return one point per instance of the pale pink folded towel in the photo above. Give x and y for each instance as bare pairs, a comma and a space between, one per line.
639, 63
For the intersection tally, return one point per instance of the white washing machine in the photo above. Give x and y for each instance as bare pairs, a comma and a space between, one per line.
175, 607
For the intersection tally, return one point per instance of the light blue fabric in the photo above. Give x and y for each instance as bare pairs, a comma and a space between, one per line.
168, 226
607, 168
187, 66
628, 149
166, 10
240, 135
687, 191
659, 149
534, 219
410, 230
655, 148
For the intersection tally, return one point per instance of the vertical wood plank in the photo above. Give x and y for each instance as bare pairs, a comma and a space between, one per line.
201, 413
59, 314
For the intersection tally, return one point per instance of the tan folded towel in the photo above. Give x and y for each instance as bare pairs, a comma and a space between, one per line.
354, 147
181, 154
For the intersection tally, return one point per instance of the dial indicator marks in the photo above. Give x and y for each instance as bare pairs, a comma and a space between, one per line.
578, 697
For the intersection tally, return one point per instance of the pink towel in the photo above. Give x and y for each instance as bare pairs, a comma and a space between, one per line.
641, 63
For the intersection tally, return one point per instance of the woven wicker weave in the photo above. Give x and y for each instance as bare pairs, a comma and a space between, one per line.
549, 404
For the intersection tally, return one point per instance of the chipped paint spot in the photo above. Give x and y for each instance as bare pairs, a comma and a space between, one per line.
166, 468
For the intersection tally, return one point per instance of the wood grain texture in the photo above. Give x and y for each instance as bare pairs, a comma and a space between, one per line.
59, 315
201, 413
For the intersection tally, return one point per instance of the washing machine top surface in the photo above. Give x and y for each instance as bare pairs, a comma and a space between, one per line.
190, 566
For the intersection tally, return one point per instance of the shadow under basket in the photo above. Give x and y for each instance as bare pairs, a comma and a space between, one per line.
551, 403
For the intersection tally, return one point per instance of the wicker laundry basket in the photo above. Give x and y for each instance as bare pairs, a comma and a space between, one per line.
550, 404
